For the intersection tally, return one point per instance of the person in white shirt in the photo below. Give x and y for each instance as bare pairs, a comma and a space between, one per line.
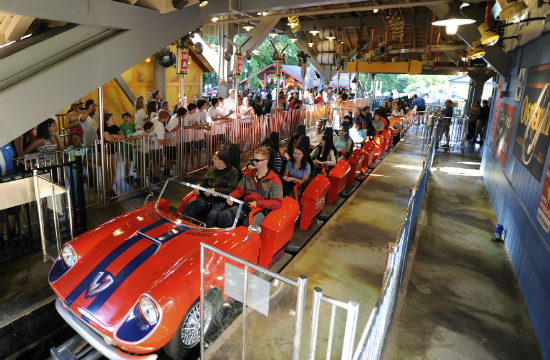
171, 131
357, 134
89, 120
316, 134
229, 104
159, 121
369, 100
216, 119
140, 112
397, 111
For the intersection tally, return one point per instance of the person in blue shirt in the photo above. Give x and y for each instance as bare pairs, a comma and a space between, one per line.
445, 122
7, 153
419, 103
297, 171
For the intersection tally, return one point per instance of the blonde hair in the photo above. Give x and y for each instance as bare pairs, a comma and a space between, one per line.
140, 103
263, 152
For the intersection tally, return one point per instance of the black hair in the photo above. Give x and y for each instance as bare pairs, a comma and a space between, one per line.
303, 162
366, 108
106, 118
76, 133
290, 145
201, 103
88, 103
42, 130
181, 111
269, 142
347, 117
155, 92
214, 101
329, 145
191, 107
345, 131
147, 125
126, 113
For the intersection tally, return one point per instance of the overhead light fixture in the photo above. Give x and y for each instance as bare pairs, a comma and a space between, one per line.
273, 34
488, 37
464, 5
453, 18
375, 11
293, 39
477, 52
314, 31
214, 19
463, 58
310, 44
248, 27
262, 13
256, 52
513, 11
460, 73
146, 60
331, 36
203, 3
214, 46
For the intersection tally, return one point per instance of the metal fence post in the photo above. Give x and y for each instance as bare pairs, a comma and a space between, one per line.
315, 309
40, 215
102, 146
245, 290
349, 332
300, 309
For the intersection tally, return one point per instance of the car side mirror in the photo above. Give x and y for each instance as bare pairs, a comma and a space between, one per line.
148, 196
255, 229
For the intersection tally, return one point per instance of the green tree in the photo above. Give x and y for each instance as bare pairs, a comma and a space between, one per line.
254, 81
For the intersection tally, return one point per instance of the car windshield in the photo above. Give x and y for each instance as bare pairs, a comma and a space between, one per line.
197, 223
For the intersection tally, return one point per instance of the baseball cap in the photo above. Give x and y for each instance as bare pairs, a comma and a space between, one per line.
231, 91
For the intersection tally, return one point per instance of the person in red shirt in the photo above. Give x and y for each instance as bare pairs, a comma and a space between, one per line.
318, 98
260, 188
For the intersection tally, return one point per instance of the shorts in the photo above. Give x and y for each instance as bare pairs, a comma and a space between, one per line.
479, 126
14, 210
445, 123
127, 155
111, 157
199, 144
171, 152
155, 156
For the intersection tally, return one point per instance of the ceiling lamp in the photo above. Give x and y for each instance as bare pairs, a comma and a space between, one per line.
248, 27
214, 19
453, 18
293, 39
310, 44
214, 46
477, 52
203, 3
256, 52
375, 11
331, 36
487, 37
262, 13
513, 11
273, 34
314, 31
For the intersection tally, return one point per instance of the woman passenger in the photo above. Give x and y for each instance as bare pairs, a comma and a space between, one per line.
325, 153
292, 143
297, 171
342, 142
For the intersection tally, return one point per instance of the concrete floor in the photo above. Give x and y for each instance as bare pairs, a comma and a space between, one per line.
346, 259
463, 300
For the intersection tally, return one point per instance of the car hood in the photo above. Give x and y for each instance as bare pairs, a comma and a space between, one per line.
104, 285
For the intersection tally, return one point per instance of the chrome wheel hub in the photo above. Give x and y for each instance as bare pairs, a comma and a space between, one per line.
191, 330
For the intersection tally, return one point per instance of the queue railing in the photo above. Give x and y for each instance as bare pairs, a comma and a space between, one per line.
267, 300
373, 338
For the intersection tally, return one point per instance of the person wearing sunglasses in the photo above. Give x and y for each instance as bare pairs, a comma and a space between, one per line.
260, 188
72, 120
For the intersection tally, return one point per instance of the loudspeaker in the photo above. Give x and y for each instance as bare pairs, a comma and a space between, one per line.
179, 4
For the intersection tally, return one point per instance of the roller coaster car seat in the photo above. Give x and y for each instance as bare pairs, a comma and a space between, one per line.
275, 137
368, 149
338, 178
235, 156
302, 129
355, 161
315, 191
329, 131
272, 163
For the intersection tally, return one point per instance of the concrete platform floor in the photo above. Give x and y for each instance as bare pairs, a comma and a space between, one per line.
462, 300
345, 259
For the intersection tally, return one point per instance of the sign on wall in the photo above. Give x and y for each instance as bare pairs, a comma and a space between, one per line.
497, 104
504, 126
531, 143
183, 63
521, 83
543, 212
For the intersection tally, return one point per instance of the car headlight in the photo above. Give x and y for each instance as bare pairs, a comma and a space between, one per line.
396, 125
68, 255
148, 311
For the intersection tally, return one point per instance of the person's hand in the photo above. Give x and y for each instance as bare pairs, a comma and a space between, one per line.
285, 178
250, 167
252, 204
229, 202
196, 192
207, 194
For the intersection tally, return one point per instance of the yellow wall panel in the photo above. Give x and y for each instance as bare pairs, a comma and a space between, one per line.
128, 75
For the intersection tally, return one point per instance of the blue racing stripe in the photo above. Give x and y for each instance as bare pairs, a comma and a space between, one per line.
153, 225
120, 278
108, 260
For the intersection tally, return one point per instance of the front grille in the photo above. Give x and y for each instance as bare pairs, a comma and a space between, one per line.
153, 215
199, 233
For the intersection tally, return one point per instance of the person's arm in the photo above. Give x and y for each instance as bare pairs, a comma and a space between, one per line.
34, 144
285, 175
85, 114
331, 159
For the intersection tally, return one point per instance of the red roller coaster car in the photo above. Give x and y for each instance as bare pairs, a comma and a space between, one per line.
132, 285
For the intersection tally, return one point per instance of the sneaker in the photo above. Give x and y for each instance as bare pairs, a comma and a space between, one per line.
129, 179
110, 194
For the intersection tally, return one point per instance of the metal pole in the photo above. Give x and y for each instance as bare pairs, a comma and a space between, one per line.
202, 303
315, 309
300, 309
349, 332
331, 330
55, 220
365, 334
102, 145
245, 290
40, 216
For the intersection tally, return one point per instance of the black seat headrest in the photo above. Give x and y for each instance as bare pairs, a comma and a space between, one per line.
304, 141
275, 137
329, 131
302, 129
235, 155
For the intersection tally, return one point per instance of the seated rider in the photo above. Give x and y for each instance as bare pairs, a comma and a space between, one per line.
260, 187
268, 143
222, 178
